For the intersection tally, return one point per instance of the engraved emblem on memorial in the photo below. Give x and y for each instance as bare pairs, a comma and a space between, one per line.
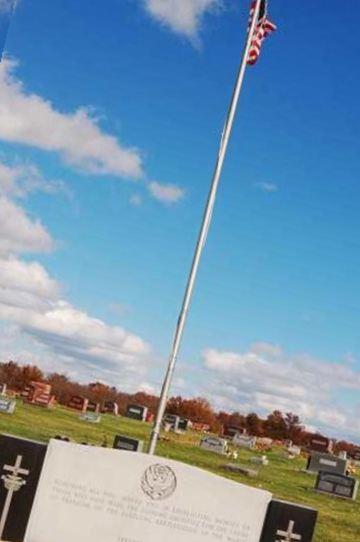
158, 482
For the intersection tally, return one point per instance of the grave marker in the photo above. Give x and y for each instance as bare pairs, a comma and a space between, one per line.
90, 417
326, 462
7, 406
126, 443
322, 444
214, 444
288, 522
21, 461
137, 412
337, 485
112, 497
78, 403
243, 441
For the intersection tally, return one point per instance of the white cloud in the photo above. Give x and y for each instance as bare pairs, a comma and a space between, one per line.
30, 300
182, 16
19, 180
18, 233
265, 378
166, 193
30, 120
267, 187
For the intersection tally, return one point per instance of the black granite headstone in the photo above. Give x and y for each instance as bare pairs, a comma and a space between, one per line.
137, 412
21, 462
337, 485
288, 522
129, 444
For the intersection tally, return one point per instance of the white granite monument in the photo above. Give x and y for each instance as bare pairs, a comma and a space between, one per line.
112, 497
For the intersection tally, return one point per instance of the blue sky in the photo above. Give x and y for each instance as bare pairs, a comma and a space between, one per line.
109, 130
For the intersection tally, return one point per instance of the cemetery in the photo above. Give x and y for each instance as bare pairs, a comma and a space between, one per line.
295, 494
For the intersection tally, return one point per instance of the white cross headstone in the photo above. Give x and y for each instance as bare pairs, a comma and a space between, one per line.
12, 482
289, 535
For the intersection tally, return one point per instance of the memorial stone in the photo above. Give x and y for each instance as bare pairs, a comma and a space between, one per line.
3, 388
126, 443
232, 430
110, 407
90, 417
322, 444
184, 424
243, 441
214, 444
294, 450
93, 407
78, 403
21, 461
110, 497
337, 485
173, 420
287, 522
137, 412
7, 406
326, 462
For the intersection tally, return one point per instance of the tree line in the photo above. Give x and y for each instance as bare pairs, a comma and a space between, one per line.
277, 425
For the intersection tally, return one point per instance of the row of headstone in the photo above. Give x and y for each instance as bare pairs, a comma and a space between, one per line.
105, 498
82, 404
176, 423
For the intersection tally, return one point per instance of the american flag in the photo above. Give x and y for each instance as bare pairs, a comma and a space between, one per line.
263, 28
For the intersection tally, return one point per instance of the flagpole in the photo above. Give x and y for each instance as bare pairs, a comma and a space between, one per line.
225, 137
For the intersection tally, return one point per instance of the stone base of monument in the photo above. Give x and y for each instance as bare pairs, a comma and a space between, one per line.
241, 469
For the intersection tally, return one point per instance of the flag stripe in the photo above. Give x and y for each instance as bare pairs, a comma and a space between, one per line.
263, 28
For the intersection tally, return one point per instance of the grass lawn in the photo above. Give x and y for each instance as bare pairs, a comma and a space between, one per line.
339, 520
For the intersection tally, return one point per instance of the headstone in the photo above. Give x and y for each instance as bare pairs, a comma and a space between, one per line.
202, 427
137, 412
232, 430
38, 394
294, 450
7, 406
137, 497
260, 460
173, 420
110, 407
337, 485
241, 469
21, 461
326, 462
322, 444
184, 424
126, 443
78, 403
93, 407
3, 388
214, 444
243, 441
264, 442
343, 454
287, 522
90, 417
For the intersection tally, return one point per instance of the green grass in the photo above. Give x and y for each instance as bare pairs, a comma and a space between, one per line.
339, 520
